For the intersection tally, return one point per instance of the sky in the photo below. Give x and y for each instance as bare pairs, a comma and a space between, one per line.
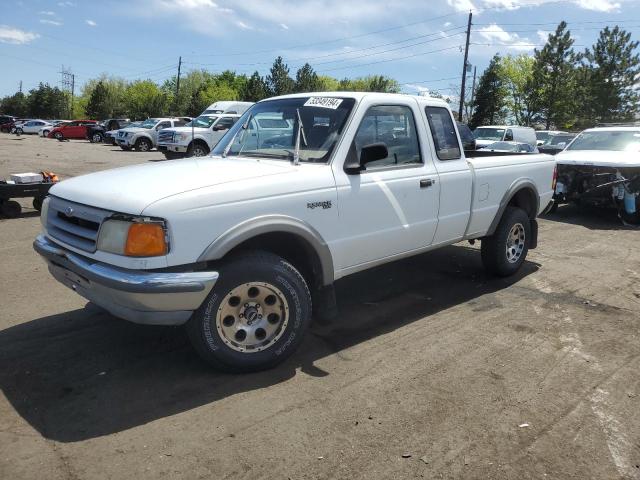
419, 43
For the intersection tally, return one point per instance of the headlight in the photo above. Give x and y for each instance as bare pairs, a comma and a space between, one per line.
133, 238
44, 212
185, 136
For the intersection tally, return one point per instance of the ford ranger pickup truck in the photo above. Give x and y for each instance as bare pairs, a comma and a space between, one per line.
197, 138
245, 245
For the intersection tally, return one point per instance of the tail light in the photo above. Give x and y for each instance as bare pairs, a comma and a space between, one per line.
555, 178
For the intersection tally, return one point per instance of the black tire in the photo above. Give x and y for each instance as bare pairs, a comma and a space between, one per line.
58, 136
19, 131
197, 150
264, 270
172, 155
11, 209
113, 142
143, 145
96, 137
496, 258
45, 133
37, 203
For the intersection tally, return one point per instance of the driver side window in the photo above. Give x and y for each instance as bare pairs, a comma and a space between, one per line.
394, 126
508, 137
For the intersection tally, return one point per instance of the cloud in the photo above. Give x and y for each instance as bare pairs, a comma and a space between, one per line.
595, 5
16, 36
461, 5
543, 35
91, 23
50, 22
66, 4
496, 34
243, 25
46, 12
284, 26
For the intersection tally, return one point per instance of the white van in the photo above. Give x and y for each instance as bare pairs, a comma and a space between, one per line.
504, 133
231, 107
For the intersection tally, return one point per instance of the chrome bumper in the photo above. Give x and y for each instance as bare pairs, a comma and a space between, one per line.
155, 298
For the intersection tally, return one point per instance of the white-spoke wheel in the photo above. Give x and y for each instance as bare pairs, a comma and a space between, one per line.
252, 317
515, 243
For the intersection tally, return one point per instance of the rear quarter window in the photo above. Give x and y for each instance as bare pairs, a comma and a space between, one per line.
443, 132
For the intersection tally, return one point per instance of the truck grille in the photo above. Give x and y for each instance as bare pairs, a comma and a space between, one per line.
165, 136
75, 224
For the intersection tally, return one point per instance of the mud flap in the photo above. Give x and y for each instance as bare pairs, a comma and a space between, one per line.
533, 243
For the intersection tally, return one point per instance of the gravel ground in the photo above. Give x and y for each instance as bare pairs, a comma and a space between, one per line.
432, 369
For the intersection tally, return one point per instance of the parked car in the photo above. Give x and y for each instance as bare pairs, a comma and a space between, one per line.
5, 122
197, 138
145, 137
556, 142
504, 133
32, 127
237, 244
514, 147
110, 136
601, 167
44, 131
96, 133
543, 135
227, 107
75, 129
466, 136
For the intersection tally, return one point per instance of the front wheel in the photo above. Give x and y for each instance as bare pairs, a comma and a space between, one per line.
197, 150
505, 251
96, 138
255, 316
58, 136
19, 131
143, 145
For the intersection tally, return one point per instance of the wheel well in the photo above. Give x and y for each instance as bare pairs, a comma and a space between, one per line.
526, 199
293, 248
199, 141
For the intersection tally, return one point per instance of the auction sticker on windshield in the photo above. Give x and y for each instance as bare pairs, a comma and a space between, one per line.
323, 102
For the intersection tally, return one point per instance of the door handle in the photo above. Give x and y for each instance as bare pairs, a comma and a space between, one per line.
427, 182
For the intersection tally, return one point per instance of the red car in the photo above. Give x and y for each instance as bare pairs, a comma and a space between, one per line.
75, 129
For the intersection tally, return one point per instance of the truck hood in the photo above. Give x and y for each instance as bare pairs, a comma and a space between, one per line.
188, 129
135, 129
131, 189
599, 158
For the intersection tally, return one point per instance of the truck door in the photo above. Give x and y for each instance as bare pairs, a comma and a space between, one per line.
390, 207
456, 181
160, 126
219, 128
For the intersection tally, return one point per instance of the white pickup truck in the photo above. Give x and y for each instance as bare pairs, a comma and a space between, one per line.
245, 245
145, 136
197, 138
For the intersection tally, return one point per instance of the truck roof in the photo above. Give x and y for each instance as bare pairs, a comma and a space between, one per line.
614, 129
360, 95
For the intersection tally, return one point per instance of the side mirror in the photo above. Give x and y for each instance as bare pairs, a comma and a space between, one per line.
217, 128
368, 153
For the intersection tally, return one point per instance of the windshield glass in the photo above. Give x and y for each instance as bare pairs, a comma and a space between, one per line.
202, 121
621, 141
149, 123
269, 129
484, 133
506, 146
542, 135
556, 139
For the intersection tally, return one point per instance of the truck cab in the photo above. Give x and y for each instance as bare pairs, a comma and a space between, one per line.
197, 138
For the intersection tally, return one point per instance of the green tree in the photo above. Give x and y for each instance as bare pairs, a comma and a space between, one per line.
146, 99
47, 102
614, 66
255, 89
489, 103
553, 78
98, 106
307, 79
520, 94
279, 82
328, 84
16, 104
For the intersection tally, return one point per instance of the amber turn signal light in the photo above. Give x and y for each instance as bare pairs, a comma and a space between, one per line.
145, 240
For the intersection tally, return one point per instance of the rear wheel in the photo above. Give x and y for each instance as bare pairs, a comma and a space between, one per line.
143, 145
96, 137
505, 251
11, 209
255, 316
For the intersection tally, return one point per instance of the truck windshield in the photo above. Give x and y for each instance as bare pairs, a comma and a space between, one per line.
484, 133
149, 123
202, 121
621, 141
269, 129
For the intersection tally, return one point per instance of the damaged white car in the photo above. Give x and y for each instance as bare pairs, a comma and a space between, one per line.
601, 167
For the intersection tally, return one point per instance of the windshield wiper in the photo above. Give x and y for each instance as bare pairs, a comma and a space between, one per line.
300, 132
233, 139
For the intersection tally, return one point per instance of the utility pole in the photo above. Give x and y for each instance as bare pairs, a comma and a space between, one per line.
175, 103
464, 68
20, 89
73, 86
68, 85
473, 92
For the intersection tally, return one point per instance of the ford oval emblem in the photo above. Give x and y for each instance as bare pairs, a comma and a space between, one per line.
68, 211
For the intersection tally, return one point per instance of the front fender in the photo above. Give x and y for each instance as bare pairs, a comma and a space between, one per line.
272, 224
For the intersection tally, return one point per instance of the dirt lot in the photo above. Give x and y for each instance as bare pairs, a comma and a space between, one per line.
466, 376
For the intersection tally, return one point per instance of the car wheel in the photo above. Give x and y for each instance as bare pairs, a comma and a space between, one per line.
96, 138
197, 150
255, 316
505, 251
19, 131
58, 136
143, 145
45, 133
10, 209
37, 203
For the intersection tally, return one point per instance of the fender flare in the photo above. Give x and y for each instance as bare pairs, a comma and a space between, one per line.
515, 187
253, 227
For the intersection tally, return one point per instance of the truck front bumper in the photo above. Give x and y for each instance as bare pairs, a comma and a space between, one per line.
173, 147
148, 297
